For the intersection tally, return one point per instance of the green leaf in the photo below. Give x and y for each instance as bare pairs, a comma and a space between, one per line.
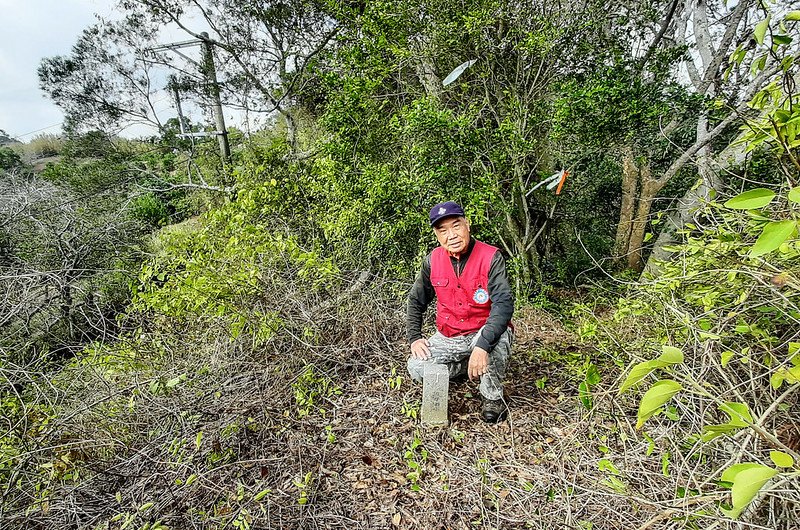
651, 444
793, 15
776, 380
774, 234
781, 39
730, 474
739, 416
174, 381
761, 30
713, 431
653, 399
738, 55
261, 494
757, 198
727, 355
606, 465
738, 412
746, 485
592, 375
615, 484
794, 194
638, 372
585, 396
671, 355
781, 459
790, 375
794, 358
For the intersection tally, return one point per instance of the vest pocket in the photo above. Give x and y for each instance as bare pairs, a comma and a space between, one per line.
439, 282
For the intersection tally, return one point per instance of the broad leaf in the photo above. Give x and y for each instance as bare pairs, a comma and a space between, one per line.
781, 459
739, 416
790, 375
761, 30
774, 234
584, 395
794, 194
727, 355
793, 15
729, 475
713, 431
592, 375
671, 355
738, 412
653, 399
757, 198
638, 372
746, 485
607, 465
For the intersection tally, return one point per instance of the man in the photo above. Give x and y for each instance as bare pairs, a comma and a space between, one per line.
474, 306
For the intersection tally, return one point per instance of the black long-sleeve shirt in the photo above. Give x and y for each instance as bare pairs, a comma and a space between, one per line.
422, 293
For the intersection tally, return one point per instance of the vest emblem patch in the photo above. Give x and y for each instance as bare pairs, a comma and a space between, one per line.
480, 296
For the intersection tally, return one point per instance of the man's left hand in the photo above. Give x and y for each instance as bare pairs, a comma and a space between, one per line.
478, 363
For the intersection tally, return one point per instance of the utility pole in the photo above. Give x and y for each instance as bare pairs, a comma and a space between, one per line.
213, 89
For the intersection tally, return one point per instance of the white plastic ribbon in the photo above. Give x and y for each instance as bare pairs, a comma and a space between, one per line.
457, 71
551, 181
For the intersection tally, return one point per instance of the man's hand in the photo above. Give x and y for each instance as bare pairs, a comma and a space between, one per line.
478, 363
420, 350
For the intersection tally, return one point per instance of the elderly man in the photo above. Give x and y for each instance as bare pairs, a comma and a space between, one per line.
474, 306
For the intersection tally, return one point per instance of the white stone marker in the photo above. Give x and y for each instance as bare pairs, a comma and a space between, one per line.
435, 386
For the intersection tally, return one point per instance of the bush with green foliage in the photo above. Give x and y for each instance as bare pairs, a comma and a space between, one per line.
224, 266
9, 159
725, 317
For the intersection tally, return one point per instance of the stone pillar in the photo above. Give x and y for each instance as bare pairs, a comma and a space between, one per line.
435, 388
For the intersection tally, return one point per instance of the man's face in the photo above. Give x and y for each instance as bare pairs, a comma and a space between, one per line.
453, 234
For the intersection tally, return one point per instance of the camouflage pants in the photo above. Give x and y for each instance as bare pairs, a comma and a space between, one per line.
455, 352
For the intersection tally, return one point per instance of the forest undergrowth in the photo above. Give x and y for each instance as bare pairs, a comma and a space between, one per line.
280, 400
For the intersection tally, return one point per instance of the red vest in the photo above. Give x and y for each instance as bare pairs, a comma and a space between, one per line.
462, 302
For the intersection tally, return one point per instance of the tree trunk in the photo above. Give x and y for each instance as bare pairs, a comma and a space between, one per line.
691, 201
650, 187
630, 188
291, 129
426, 72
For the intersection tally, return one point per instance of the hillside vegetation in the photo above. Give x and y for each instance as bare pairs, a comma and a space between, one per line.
195, 340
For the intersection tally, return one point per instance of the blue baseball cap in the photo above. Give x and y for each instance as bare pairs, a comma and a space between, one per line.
446, 209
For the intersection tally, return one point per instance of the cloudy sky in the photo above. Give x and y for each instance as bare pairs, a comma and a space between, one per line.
29, 31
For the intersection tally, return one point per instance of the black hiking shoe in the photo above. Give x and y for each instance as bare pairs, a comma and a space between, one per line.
461, 373
493, 410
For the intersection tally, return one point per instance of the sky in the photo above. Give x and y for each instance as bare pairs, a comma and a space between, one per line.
29, 31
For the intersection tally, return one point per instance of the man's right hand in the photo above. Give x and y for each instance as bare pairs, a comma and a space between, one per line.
420, 350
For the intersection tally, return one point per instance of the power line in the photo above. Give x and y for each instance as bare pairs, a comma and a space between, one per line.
39, 130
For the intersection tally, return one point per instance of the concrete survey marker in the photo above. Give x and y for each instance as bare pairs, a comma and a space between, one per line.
435, 386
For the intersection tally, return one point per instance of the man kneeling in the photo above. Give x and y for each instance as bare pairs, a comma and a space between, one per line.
474, 306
